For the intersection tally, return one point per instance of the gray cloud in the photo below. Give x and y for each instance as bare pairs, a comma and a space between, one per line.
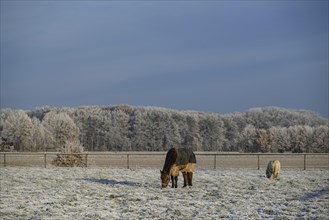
213, 56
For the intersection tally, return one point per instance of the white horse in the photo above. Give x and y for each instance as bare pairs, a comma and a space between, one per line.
273, 169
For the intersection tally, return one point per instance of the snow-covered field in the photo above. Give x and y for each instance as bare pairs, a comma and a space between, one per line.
111, 193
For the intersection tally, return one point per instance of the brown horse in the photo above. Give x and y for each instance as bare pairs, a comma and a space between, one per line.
181, 159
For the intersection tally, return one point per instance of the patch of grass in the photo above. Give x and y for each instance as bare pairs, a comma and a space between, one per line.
155, 198
269, 211
93, 216
112, 196
177, 212
281, 218
126, 210
3, 214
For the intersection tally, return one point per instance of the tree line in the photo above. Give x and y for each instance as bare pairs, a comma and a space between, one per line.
133, 128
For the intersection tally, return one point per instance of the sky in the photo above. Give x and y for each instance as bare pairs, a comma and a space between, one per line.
210, 56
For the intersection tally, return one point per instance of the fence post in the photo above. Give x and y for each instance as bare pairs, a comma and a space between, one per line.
45, 159
86, 160
258, 163
304, 161
127, 161
4, 160
215, 157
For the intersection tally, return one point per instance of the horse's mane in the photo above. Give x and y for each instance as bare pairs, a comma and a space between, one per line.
170, 159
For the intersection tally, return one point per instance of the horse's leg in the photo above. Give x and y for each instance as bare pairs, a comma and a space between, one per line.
185, 178
189, 178
172, 181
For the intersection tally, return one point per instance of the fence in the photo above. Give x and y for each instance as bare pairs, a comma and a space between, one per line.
213, 160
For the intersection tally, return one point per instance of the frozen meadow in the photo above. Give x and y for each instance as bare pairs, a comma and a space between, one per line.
113, 193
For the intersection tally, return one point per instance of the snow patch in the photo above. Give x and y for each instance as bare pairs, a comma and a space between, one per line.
110, 193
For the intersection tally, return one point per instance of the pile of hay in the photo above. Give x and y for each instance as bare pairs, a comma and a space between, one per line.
71, 156
69, 160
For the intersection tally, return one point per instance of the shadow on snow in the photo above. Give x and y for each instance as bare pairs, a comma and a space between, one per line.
111, 182
314, 194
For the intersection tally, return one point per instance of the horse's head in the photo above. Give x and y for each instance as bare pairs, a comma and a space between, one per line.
165, 178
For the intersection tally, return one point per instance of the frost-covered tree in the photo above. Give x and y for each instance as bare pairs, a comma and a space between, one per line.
117, 134
124, 127
263, 140
266, 118
248, 140
94, 124
167, 131
18, 128
309, 138
4, 114
298, 137
154, 131
139, 131
190, 134
232, 134
321, 139
279, 139
212, 132
38, 136
61, 129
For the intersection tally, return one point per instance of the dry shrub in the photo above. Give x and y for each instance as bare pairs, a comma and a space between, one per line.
71, 156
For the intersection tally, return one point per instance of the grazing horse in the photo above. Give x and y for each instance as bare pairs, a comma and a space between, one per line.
181, 159
273, 169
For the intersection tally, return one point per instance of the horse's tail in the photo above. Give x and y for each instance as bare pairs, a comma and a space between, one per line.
171, 158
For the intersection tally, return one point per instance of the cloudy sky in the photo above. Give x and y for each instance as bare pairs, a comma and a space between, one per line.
212, 56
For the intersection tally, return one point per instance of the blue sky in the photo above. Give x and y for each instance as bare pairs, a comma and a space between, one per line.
212, 56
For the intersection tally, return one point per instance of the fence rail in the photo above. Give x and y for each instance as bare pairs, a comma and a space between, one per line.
213, 160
